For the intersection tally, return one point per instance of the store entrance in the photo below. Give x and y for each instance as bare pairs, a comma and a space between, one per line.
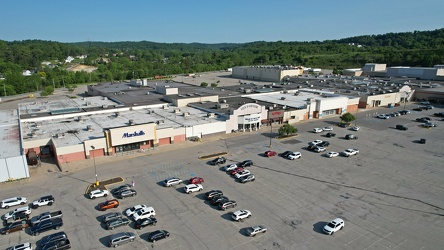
128, 147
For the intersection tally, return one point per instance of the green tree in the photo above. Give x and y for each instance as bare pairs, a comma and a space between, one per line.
214, 85
47, 91
347, 118
287, 129
204, 84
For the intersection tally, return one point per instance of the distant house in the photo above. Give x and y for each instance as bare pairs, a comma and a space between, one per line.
46, 63
82, 56
69, 59
26, 73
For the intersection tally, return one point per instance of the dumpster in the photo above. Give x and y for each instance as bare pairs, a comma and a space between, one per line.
390, 105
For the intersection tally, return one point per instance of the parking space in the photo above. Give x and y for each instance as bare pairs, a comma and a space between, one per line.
392, 184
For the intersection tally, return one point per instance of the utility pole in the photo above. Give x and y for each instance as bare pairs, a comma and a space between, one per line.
271, 133
95, 169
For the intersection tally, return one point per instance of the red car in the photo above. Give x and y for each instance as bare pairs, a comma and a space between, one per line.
195, 180
270, 153
236, 170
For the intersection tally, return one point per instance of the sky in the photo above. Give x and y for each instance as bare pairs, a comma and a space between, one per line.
211, 21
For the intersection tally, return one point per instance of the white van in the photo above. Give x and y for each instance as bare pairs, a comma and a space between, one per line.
9, 215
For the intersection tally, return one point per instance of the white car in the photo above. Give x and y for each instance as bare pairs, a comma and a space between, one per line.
252, 231
317, 130
328, 128
146, 212
315, 142
98, 193
230, 167
15, 201
356, 128
172, 181
242, 174
10, 214
23, 246
334, 226
350, 152
332, 154
295, 155
131, 211
428, 125
240, 215
191, 188
319, 149
383, 116
425, 103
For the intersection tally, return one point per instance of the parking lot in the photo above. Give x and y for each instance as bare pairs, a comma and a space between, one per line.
391, 195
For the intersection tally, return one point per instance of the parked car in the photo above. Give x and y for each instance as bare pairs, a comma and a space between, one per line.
428, 125
98, 193
334, 226
59, 236
343, 125
143, 213
332, 154
315, 142
109, 204
20, 216
195, 180
240, 215
22, 246
172, 181
246, 163
424, 103
422, 141
423, 119
118, 222
191, 188
218, 199
404, 112
270, 153
247, 178
46, 216
14, 227
213, 193
252, 231
350, 152
46, 225
111, 216
14, 201
227, 204
158, 235
120, 189
295, 155
356, 128
323, 144
330, 135
127, 193
131, 211
401, 127
440, 114
120, 238
286, 153
319, 149
328, 128
242, 174
318, 130
43, 201
218, 160
58, 245
10, 214
236, 170
418, 109
383, 116
351, 137
145, 222
230, 167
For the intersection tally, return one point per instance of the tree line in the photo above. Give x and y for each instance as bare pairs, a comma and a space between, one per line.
145, 59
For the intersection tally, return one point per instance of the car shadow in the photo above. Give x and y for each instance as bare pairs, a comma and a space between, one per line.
161, 183
99, 218
227, 216
222, 168
201, 196
318, 226
181, 190
105, 241
244, 231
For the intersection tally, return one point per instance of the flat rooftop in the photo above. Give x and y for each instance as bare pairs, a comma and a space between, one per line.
9, 134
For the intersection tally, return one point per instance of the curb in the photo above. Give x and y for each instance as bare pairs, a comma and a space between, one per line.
106, 183
205, 157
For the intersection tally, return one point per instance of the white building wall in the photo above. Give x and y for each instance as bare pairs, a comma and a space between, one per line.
329, 104
206, 129
13, 168
73, 149
36, 143
297, 114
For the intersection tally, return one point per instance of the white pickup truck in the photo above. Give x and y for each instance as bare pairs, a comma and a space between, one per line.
46, 216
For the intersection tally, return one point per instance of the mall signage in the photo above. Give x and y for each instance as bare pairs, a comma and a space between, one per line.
134, 134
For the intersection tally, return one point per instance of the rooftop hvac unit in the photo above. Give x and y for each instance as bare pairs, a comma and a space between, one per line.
131, 122
270, 108
105, 106
89, 128
117, 114
33, 134
224, 101
160, 122
186, 114
177, 111
60, 135
105, 98
211, 115
165, 106
283, 98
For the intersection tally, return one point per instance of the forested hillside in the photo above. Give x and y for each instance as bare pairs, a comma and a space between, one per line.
125, 60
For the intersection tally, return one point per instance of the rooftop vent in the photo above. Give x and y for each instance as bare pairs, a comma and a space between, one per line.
283, 98
131, 122
165, 106
89, 128
160, 122
186, 114
211, 115
177, 111
117, 114
60, 135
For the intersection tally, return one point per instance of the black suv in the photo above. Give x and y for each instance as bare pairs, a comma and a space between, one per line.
246, 163
227, 204
158, 235
329, 134
351, 137
219, 199
46, 225
120, 189
58, 245
213, 193
145, 222
286, 153
401, 127
60, 236
323, 144
218, 160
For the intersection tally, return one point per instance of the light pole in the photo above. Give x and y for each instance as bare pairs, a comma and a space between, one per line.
95, 169
405, 99
356, 118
